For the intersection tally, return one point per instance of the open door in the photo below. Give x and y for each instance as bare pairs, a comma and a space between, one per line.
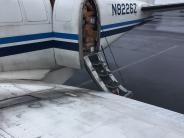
90, 28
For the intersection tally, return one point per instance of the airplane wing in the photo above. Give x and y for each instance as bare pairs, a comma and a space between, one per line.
167, 7
40, 110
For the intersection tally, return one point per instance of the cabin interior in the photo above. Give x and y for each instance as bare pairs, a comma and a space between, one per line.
90, 27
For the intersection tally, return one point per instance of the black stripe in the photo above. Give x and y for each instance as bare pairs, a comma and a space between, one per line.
66, 45
121, 30
115, 31
19, 49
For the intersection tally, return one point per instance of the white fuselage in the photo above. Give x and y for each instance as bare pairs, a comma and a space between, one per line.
33, 36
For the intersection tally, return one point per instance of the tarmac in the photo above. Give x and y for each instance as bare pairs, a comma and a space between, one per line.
150, 62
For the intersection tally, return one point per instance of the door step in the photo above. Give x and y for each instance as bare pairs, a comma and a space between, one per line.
103, 77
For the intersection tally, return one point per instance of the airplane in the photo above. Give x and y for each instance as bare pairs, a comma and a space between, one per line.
38, 36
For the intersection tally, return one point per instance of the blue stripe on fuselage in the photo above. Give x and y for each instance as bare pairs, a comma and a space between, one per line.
122, 27
35, 46
23, 38
66, 36
18, 49
15, 39
31, 37
116, 31
120, 24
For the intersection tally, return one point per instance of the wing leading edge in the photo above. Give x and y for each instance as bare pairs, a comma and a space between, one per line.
167, 7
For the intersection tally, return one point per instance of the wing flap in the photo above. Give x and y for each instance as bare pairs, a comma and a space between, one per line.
167, 7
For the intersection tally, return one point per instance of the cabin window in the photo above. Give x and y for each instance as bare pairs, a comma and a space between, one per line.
35, 10
10, 11
66, 6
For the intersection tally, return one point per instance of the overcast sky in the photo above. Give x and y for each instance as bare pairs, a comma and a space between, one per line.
168, 1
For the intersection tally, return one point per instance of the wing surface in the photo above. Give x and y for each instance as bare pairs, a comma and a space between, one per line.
39, 110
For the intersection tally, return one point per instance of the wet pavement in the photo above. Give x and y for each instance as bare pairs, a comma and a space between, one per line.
150, 62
